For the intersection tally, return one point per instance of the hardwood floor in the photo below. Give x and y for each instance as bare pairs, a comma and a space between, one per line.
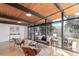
11, 50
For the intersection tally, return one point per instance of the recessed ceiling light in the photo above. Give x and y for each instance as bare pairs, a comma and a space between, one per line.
28, 14
19, 22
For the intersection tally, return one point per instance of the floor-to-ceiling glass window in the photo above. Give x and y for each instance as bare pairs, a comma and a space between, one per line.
32, 33
39, 32
53, 32
56, 31
36, 32
28, 32
71, 34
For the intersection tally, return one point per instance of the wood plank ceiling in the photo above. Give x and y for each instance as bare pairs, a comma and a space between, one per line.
40, 11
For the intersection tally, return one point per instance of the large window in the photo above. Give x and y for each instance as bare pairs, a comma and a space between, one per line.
42, 31
71, 35
57, 34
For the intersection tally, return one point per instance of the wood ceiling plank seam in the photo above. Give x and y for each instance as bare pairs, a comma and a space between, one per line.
42, 8
39, 8
59, 7
10, 17
16, 13
63, 9
24, 16
20, 14
36, 7
20, 7
72, 10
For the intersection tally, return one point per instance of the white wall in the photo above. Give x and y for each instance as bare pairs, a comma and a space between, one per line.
4, 32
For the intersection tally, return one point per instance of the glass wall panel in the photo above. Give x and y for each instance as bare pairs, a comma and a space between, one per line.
56, 31
71, 35
32, 33
39, 32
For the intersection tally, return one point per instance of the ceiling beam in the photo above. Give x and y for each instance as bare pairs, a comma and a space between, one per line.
56, 21
63, 10
58, 7
13, 18
25, 9
9, 22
